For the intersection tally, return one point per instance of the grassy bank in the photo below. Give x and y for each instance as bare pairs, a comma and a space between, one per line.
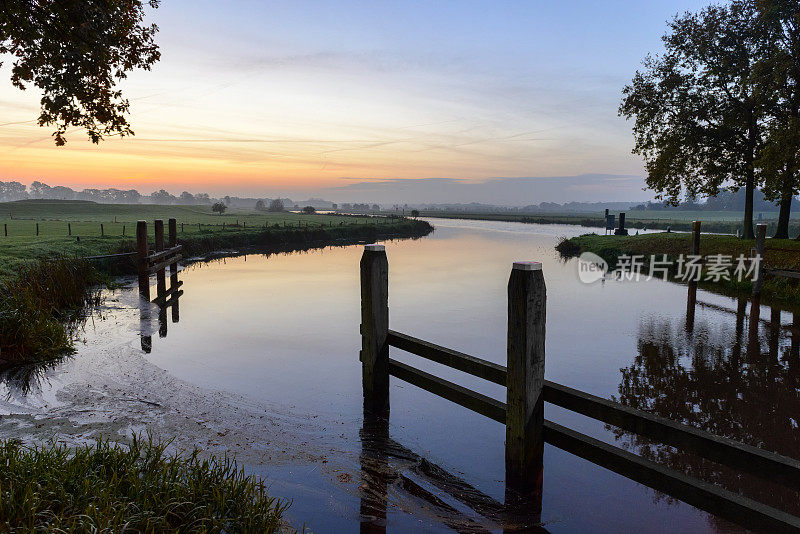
199, 231
715, 222
110, 488
780, 253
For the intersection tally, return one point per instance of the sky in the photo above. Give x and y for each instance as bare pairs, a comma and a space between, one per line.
299, 98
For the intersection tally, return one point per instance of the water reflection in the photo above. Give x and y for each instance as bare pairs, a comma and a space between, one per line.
736, 377
419, 486
166, 299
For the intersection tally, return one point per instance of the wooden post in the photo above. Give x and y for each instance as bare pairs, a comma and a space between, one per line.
694, 249
181, 227
123, 230
375, 329
142, 251
173, 241
102, 232
69, 229
5, 229
198, 227
525, 403
37, 228
161, 281
758, 280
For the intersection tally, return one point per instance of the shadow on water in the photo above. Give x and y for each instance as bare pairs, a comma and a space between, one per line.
167, 299
738, 379
392, 475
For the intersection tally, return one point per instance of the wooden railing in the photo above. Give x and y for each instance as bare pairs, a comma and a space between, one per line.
157, 261
527, 391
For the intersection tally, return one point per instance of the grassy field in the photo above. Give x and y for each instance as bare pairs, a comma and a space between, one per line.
779, 253
199, 229
727, 222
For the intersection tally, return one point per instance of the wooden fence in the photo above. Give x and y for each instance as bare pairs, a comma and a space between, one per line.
527, 391
156, 261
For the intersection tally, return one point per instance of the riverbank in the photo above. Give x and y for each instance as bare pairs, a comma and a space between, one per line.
779, 254
718, 223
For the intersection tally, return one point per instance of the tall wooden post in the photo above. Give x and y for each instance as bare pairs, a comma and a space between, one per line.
527, 299
375, 329
761, 236
173, 241
123, 230
142, 265
69, 228
102, 231
694, 249
161, 281
37, 228
5, 229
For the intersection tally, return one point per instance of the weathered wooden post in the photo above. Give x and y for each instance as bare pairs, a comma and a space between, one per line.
758, 280
37, 228
161, 281
5, 229
181, 227
694, 248
142, 265
69, 229
375, 329
527, 299
123, 230
102, 231
173, 242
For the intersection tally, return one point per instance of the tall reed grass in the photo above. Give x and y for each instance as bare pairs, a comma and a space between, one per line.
41, 306
107, 487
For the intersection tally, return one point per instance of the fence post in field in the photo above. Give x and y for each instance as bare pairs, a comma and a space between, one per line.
161, 281
123, 230
525, 404
141, 249
69, 228
761, 236
5, 229
37, 228
173, 241
102, 231
198, 227
181, 227
375, 329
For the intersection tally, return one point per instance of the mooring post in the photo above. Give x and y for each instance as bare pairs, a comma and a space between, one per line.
173, 242
69, 229
142, 266
694, 249
761, 236
161, 281
527, 299
375, 329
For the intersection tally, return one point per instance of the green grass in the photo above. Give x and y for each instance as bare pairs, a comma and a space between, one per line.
107, 487
779, 253
237, 228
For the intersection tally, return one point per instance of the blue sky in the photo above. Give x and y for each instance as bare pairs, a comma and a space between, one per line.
295, 97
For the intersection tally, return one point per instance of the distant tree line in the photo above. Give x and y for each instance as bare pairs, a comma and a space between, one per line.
726, 200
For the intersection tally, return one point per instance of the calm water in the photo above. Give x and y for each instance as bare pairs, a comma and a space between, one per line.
285, 329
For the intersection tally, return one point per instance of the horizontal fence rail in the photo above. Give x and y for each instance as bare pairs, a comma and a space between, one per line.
527, 391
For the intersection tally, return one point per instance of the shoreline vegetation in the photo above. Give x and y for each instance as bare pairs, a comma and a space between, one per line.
719, 223
108, 487
779, 254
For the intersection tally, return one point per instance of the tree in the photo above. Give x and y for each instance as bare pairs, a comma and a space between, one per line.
780, 158
309, 210
162, 197
76, 52
186, 198
415, 213
219, 207
276, 205
700, 108
260, 206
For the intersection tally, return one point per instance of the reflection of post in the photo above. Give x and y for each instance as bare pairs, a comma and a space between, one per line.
758, 280
753, 343
161, 281
173, 241
774, 333
525, 403
142, 266
373, 490
691, 304
375, 329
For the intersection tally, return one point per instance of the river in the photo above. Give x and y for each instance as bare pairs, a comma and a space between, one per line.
279, 335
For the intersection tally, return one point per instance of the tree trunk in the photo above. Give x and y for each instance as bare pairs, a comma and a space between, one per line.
785, 207
747, 230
